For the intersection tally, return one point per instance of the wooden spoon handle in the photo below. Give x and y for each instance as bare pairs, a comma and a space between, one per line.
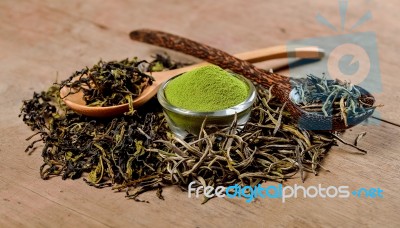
214, 56
256, 56
281, 51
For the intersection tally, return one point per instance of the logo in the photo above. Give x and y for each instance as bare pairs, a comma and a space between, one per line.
350, 56
282, 192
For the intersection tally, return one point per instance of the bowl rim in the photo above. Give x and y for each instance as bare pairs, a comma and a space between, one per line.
219, 113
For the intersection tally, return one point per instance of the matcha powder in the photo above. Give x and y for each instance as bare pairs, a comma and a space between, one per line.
206, 89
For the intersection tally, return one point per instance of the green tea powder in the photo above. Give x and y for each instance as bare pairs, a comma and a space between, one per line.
206, 89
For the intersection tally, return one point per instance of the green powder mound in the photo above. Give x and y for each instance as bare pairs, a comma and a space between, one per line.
205, 89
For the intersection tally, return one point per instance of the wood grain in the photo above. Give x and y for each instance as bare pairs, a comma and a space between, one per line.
40, 39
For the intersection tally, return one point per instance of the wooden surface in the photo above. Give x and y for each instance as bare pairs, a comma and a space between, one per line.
40, 39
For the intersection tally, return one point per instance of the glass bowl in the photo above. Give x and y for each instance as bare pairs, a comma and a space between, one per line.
182, 121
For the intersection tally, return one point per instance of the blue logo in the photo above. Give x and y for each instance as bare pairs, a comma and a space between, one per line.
349, 56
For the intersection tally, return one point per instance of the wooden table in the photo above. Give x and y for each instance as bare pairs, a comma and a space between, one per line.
41, 40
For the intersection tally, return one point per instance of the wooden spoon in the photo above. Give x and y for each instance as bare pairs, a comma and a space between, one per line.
282, 86
76, 102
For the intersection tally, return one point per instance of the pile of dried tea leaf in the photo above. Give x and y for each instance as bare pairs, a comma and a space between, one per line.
137, 152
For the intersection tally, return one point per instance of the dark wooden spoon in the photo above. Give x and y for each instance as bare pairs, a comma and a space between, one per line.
282, 86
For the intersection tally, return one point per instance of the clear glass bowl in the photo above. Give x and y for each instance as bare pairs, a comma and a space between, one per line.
182, 121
